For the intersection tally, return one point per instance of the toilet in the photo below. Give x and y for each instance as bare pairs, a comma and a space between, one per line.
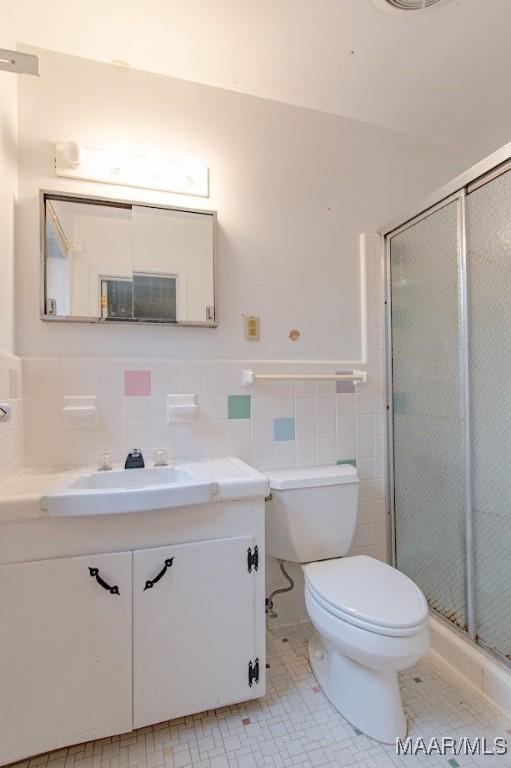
370, 620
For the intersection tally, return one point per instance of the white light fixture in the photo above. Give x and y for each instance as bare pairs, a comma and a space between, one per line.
75, 161
72, 152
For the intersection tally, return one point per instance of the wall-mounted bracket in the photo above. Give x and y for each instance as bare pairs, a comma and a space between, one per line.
19, 63
5, 413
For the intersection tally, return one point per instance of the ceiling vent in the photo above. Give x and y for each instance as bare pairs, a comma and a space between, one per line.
411, 5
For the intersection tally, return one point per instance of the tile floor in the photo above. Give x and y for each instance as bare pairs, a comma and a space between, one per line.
295, 726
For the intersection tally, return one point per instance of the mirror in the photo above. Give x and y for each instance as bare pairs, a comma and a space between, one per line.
116, 261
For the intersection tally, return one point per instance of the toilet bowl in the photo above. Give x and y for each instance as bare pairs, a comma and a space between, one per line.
370, 620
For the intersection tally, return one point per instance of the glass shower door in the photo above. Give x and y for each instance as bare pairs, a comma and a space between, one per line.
489, 291
428, 407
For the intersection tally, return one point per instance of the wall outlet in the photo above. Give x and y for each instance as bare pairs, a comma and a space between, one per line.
251, 328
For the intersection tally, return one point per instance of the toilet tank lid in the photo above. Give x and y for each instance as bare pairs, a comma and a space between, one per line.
310, 477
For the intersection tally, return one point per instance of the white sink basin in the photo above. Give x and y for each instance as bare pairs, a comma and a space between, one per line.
128, 490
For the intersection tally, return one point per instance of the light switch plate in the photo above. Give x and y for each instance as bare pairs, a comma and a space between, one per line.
251, 328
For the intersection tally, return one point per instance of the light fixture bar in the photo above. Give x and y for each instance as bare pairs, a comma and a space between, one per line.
19, 63
76, 161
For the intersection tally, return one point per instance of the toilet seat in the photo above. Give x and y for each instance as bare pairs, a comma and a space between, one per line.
369, 594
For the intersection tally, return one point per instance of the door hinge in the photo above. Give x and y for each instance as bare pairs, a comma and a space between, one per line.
253, 672
253, 559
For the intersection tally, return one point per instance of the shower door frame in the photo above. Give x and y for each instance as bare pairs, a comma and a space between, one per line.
491, 167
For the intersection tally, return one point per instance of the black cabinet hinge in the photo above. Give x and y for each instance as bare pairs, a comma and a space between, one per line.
253, 672
253, 558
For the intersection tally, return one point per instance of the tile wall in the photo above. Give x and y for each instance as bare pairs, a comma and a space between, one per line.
11, 432
271, 425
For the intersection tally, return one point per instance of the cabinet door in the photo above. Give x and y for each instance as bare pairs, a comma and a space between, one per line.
193, 628
65, 652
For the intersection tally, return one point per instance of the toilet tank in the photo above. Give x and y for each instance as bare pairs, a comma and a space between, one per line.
312, 513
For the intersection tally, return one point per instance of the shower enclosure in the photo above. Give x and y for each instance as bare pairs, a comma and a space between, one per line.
449, 382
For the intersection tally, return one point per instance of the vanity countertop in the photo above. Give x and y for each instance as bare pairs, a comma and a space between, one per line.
20, 495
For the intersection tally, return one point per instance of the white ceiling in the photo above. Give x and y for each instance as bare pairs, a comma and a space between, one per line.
443, 73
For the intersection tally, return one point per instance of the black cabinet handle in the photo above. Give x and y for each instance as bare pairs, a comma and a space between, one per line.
151, 582
94, 572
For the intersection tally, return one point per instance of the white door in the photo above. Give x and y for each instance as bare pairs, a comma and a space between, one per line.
194, 619
65, 652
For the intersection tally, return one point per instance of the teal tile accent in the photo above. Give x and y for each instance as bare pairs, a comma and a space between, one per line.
353, 462
284, 428
453, 763
238, 406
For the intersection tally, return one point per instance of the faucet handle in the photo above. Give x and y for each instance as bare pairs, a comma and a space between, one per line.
105, 462
161, 458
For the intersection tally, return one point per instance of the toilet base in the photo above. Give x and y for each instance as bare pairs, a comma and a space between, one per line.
368, 698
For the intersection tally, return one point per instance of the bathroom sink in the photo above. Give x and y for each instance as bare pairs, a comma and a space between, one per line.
128, 490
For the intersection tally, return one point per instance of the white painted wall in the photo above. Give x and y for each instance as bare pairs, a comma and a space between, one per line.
345, 57
293, 189
8, 183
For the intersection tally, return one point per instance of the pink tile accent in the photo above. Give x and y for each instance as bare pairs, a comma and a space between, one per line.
316, 689
137, 383
245, 720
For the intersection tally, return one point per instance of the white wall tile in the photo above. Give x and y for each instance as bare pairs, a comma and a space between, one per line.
262, 431
328, 426
346, 404
213, 406
215, 380
284, 405
346, 447
214, 431
284, 455
11, 432
365, 425
262, 406
365, 447
305, 407
327, 451
261, 455
137, 410
326, 406
306, 453
239, 430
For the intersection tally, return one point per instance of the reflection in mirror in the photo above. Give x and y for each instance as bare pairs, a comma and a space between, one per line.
117, 261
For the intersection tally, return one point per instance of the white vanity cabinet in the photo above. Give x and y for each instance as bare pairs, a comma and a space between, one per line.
111, 622
65, 652
193, 627
96, 645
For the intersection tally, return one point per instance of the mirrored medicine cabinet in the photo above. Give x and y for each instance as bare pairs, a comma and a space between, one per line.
107, 261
